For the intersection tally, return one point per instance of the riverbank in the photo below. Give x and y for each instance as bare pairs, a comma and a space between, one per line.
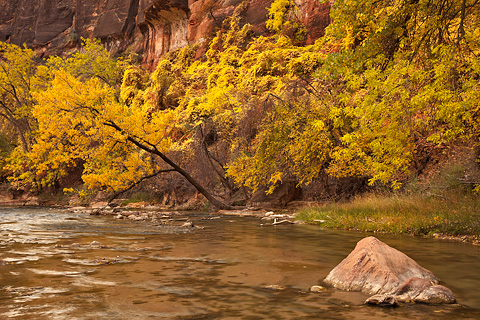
452, 216
161, 216
455, 217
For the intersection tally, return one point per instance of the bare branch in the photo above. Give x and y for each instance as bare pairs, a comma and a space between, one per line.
138, 182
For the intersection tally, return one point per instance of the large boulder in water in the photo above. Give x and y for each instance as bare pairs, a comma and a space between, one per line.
375, 268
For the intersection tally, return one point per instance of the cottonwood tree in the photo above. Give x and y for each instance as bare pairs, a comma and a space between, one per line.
388, 77
83, 117
409, 72
19, 78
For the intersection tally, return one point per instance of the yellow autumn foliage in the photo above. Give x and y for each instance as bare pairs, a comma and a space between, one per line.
387, 79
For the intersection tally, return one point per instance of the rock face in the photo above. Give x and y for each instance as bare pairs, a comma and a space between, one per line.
149, 27
280, 197
375, 268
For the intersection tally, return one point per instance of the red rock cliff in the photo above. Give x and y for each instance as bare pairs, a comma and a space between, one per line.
149, 27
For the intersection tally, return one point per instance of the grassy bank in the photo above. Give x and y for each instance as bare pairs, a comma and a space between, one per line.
401, 214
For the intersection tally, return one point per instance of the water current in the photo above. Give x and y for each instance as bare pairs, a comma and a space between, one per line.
57, 265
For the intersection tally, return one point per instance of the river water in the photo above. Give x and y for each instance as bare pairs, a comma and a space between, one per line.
57, 265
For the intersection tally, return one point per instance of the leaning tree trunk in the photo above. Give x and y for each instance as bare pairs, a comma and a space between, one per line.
217, 203
152, 149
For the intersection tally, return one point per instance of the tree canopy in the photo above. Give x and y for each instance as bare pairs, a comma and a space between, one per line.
388, 79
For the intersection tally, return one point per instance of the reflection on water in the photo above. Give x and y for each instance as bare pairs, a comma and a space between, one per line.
68, 266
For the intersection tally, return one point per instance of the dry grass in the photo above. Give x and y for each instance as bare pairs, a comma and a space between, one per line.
401, 214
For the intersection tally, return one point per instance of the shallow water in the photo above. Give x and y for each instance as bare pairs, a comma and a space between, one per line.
72, 266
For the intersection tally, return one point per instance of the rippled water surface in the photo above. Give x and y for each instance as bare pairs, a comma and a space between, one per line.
58, 265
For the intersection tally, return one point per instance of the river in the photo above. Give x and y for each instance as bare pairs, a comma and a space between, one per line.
58, 265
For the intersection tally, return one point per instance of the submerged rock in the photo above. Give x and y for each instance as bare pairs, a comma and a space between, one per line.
188, 224
415, 290
382, 300
423, 290
275, 287
317, 289
375, 268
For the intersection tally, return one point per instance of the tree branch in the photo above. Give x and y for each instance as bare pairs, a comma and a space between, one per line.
211, 158
461, 28
153, 150
138, 182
